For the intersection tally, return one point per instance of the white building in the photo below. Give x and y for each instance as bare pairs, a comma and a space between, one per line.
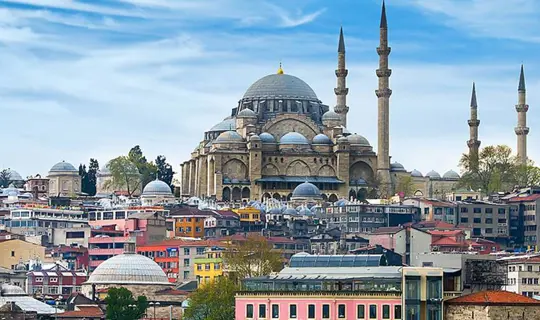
524, 275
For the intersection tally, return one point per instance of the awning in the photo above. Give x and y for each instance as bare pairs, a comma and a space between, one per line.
333, 180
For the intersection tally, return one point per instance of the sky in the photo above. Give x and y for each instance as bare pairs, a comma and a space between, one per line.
83, 79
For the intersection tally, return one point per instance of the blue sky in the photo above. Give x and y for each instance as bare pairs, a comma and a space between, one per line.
92, 78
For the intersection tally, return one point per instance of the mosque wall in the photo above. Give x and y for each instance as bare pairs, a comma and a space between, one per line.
285, 123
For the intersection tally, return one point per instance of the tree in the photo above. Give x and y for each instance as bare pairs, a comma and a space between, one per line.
527, 174
93, 168
122, 175
122, 306
84, 177
405, 185
254, 257
5, 176
213, 301
164, 171
496, 170
146, 169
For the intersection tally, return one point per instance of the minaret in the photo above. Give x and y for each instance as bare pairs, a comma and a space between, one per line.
473, 141
522, 130
341, 91
383, 94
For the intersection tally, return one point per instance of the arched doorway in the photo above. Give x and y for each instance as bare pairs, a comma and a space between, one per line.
246, 193
352, 195
418, 193
284, 198
324, 197
226, 194
333, 198
236, 194
289, 196
265, 196
276, 196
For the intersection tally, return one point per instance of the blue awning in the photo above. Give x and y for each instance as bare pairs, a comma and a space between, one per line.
299, 179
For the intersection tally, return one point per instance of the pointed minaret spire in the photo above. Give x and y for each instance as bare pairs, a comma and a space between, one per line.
473, 143
384, 24
341, 89
521, 129
383, 94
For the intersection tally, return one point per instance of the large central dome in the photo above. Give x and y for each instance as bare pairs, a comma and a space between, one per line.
280, 86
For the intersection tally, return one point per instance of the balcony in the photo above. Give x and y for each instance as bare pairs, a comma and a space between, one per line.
105, 252
451, 294
108, 240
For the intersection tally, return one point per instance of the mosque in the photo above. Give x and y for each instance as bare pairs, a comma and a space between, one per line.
281, 135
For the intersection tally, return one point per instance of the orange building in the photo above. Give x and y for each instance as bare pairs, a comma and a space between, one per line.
189, 222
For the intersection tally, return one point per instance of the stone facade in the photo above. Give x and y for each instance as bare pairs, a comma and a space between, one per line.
64, 180
487, 312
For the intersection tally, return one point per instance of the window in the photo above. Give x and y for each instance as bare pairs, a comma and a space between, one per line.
54, 279
200, 251
186, 274
341, 311
489, 220
386, 311
275, 311
186, 251
464, 209
477, 210
186, 262
39, 279
326, 311
529, 268
311, 311
292, 311
489, 210
262, 311
360, 311
502, 211
489, 230
477, 220
397, 312
12, 253
373, 311
249, 311
464, 220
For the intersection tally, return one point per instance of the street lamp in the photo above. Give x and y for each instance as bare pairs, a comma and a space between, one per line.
154, 304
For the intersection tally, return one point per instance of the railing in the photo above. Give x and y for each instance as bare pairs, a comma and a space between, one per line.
452, 294
108, 239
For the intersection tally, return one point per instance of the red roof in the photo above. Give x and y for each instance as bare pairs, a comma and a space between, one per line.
447, 241
83, 312
532, 197
494, 297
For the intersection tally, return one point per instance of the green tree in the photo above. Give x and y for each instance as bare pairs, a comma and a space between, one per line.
5, 176
93, 168
84, 177
213, 301
122, 306
527, 174
164, 171
405, 185
254, 257
146, 169
122, 175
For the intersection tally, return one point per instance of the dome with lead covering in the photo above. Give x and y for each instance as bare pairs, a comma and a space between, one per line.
396, 166
157, 187
267, 138
416, 173
63, 167
13, 175
129, 268
225, 125
229, 136
358, 140
247, 113
433, 174
451, 174
322, 139
331, 115
306, 190
280, 86
293, 138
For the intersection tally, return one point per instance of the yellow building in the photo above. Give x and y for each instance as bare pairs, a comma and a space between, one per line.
248, 214
209, 268
13, 251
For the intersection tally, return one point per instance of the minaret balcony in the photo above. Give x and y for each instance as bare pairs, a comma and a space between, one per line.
341, 73
522, 107
341, 109
521, 131
341, 91
384, 51
473, 143
474, 123
383, 73
383, 93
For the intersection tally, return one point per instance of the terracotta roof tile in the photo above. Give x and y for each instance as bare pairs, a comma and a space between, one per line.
494, 298
532, 197
83, 312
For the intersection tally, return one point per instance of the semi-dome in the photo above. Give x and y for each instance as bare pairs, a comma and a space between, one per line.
396, 166
331, 115
267, 138
229, 136
321, 139
62, 167
358, 140
157, 187
451, 174
293, 138
433, 174
225, 125
280, 86
129, 268
306, 190
416, 173
247, 113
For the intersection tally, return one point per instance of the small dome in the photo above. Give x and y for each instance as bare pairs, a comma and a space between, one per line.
331, 116
63, 166
247, 113
342, 139
451, 174
7, 289
229, 137
416, 173
157, 187
358, 140
306, 190
293, 138
13, 175
396, 166
321, 139
225, 125
433, 174
290, 211
128, 268
267, 138
254, 137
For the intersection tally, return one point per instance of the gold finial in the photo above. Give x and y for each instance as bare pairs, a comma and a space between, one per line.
280, 70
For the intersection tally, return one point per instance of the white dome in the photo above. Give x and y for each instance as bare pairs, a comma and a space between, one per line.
128, 268
331, 116
156, 187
